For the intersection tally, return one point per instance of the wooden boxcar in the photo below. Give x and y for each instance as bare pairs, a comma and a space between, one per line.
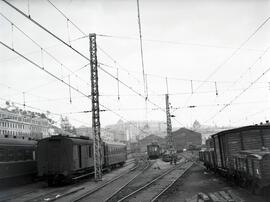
230, 142
252, 169
201, 155
17, 158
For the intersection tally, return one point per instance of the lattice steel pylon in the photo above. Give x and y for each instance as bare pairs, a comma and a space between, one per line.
169, 124
95, 107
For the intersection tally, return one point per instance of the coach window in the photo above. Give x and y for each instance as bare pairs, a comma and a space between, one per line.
33, 155
28, 154
90, 151
10, 156
2, 155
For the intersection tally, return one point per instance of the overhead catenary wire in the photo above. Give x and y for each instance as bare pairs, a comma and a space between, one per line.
236, 50
42, 49
237, 96
12, 35
247, 70
79, 53
141, 48
43, 110
68, 32
173, 42
57, 78
227, 59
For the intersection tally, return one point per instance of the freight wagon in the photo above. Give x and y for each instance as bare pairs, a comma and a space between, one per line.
242, 155
230, 142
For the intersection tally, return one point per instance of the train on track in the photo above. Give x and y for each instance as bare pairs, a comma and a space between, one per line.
153, 151
63, 159
242, 155
17, 158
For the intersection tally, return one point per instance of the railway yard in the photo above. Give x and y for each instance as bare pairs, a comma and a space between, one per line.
137, 180
134, 101
140, 179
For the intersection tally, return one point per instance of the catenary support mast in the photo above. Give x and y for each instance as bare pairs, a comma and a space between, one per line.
169, 124
95, 107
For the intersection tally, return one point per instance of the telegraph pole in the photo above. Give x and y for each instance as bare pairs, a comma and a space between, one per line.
95, 107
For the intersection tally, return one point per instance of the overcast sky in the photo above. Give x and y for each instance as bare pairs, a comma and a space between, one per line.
182, 40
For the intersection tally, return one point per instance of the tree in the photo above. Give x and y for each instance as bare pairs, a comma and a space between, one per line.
196, 124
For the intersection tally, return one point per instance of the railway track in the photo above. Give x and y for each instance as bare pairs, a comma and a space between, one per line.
155, 188
39, 192
100, 192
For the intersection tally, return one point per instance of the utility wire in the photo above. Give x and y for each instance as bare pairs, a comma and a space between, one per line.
75, 50
224, 62
54, 76
43, 110
42, 49
247, 70
173, 42
236, 50
79, 53
237, 96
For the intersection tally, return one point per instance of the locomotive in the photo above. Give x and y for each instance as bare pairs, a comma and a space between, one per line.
242, 155
153, 151
63, 159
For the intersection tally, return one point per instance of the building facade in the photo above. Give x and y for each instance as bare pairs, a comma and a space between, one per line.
21, 124
84, 131
184, 138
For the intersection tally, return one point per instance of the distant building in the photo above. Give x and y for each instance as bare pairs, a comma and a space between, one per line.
22, 124
117, 131
132, 131
184, 138
142, 144
88, 132
84, 131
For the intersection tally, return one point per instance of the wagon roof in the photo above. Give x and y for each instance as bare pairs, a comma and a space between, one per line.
73, 139
251, 127
13, 141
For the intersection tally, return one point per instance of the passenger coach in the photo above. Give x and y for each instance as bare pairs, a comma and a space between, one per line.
17, 158
63, 158
153, 151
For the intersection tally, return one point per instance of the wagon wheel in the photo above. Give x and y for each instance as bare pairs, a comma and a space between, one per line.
50, 182
266, 193
256, 189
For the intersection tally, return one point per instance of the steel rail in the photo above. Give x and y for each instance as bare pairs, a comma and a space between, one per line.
132, 179
151, 182
172, 183
103, 185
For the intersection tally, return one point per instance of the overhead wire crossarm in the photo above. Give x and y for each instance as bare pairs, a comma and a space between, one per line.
72, 87
79, 53
242, 92
42, 49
